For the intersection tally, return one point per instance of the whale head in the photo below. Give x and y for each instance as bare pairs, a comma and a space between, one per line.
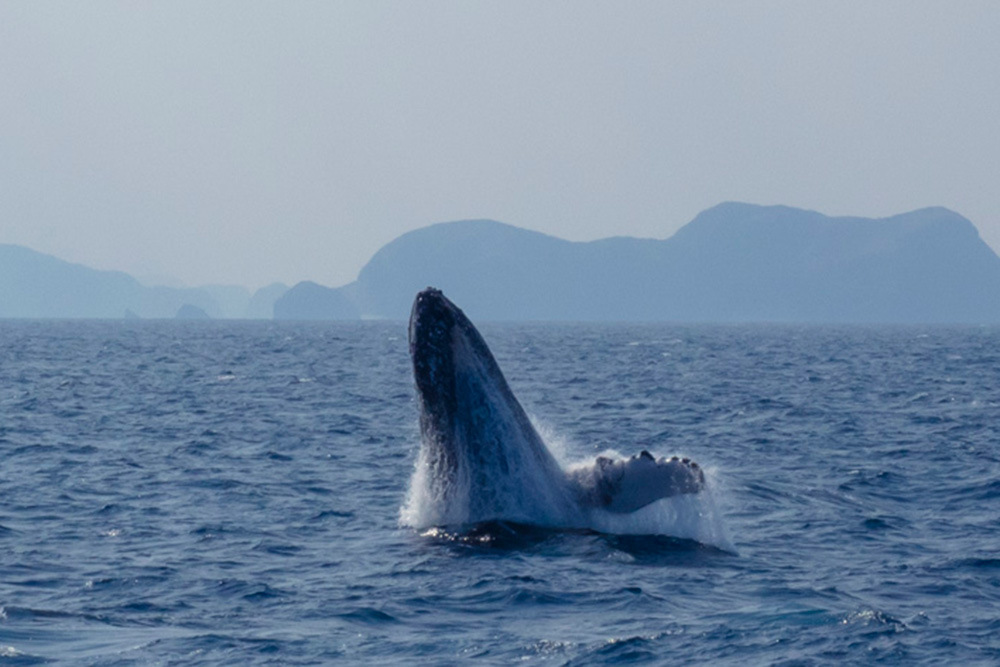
444, 345
480, 454
457, 379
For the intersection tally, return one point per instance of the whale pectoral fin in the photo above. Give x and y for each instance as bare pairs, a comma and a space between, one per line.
625, 486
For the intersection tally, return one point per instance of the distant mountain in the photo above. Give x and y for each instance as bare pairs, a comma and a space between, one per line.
732, 263
236, 302
309, 301
783, 264
261, 304
189, 312
35, 285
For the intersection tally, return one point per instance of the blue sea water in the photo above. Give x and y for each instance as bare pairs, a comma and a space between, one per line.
232, 493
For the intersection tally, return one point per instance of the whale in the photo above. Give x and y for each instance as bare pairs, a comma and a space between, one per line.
481, 458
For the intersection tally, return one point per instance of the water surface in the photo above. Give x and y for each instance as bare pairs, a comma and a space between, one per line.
230, 493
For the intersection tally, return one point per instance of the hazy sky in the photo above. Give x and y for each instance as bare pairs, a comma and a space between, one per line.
248, 142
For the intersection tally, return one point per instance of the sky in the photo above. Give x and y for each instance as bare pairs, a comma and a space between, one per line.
246, 142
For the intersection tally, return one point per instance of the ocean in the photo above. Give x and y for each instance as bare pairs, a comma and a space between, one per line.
236, 493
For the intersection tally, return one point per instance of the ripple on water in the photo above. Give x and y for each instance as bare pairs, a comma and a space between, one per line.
175, 495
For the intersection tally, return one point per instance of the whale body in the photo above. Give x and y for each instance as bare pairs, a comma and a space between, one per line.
481, 458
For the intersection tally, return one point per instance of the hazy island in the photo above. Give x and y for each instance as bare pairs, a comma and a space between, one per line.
733, 263
35, 285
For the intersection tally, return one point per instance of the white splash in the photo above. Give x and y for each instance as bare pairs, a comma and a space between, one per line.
539, 497
689, 516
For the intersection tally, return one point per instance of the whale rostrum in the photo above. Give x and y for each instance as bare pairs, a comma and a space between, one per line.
483, 459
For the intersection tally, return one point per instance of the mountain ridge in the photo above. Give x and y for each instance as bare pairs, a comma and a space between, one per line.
37, 285
734, 262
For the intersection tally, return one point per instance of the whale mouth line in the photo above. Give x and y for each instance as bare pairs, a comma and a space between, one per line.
481, 458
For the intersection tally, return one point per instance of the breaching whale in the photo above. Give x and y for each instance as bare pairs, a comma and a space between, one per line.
481, 458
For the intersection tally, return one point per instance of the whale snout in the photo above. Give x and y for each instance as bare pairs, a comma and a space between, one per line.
437, 324
432, 319
430, 309
431, 323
